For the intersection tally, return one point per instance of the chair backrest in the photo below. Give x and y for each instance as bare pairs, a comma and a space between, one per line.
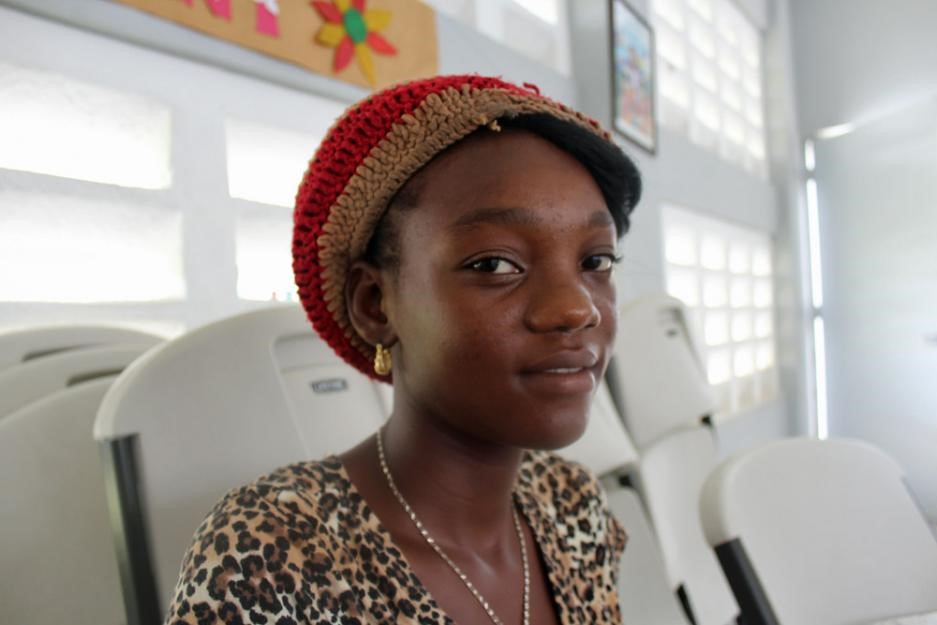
57, 556
605, 445
657, 374
644, 591
19, 346
671, 476
210, 411
827, 529
34, 379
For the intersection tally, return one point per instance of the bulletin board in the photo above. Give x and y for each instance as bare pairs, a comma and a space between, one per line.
374, 43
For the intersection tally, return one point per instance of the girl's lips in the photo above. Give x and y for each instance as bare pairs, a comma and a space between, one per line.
563, 362
561, 380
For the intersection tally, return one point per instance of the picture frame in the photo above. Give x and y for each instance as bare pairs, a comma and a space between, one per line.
631, 42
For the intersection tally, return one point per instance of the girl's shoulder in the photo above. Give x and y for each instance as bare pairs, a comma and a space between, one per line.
266, 544
299, 500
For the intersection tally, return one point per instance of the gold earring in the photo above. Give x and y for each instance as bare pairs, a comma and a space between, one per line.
382, 361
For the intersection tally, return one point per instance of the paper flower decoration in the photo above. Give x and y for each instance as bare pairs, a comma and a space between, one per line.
218, 8
352, 30
267, 21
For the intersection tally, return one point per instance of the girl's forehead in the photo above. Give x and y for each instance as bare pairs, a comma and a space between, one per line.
504, 168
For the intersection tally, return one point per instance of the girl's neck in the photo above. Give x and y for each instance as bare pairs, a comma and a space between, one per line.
459, 487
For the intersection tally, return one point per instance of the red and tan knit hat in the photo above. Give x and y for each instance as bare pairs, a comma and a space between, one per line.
365, 158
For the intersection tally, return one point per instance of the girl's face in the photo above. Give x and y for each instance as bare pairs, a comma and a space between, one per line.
504, 303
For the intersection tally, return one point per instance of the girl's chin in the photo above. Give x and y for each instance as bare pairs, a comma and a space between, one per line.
557, 432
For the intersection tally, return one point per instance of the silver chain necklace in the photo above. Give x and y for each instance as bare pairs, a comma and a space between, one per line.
442, 554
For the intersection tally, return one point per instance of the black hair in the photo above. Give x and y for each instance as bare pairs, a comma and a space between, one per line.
613, 171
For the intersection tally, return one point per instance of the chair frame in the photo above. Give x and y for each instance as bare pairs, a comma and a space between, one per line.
754, 606
128, 523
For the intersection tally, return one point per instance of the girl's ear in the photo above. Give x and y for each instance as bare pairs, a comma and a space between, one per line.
365, 300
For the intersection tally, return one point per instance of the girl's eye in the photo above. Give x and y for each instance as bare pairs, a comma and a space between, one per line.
599, 262
493, 264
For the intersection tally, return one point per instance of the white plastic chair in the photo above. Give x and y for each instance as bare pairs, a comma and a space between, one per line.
19, 346
23, 383
57, 558
671, 476
820, 533
657, 374
644, 590
210, 411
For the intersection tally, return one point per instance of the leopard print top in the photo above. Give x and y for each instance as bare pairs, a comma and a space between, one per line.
301, 546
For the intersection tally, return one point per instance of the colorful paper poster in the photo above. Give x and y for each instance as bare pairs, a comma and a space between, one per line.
374, 43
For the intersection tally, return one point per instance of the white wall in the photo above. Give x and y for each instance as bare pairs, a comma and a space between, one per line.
874, 64
858, 59
877, 191
684, 174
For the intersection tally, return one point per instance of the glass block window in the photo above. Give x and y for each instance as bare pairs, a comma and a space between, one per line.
266, 164
710, 75
546, 10
53, 125
124, 198
264, 258
723, 274
536, 28
66, 249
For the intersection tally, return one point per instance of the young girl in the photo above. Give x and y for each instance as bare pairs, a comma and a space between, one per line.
455, 236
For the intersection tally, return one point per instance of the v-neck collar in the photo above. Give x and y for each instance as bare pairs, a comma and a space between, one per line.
540, 513
536, 511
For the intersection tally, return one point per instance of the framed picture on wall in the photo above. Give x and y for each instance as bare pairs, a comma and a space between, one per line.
632, 46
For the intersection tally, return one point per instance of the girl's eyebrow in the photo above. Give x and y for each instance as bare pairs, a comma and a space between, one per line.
601, 218
501, 216
519, 216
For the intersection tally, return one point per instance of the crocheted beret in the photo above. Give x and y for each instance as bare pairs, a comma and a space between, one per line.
365, 158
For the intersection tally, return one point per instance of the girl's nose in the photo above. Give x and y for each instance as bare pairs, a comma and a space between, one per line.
561, 306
